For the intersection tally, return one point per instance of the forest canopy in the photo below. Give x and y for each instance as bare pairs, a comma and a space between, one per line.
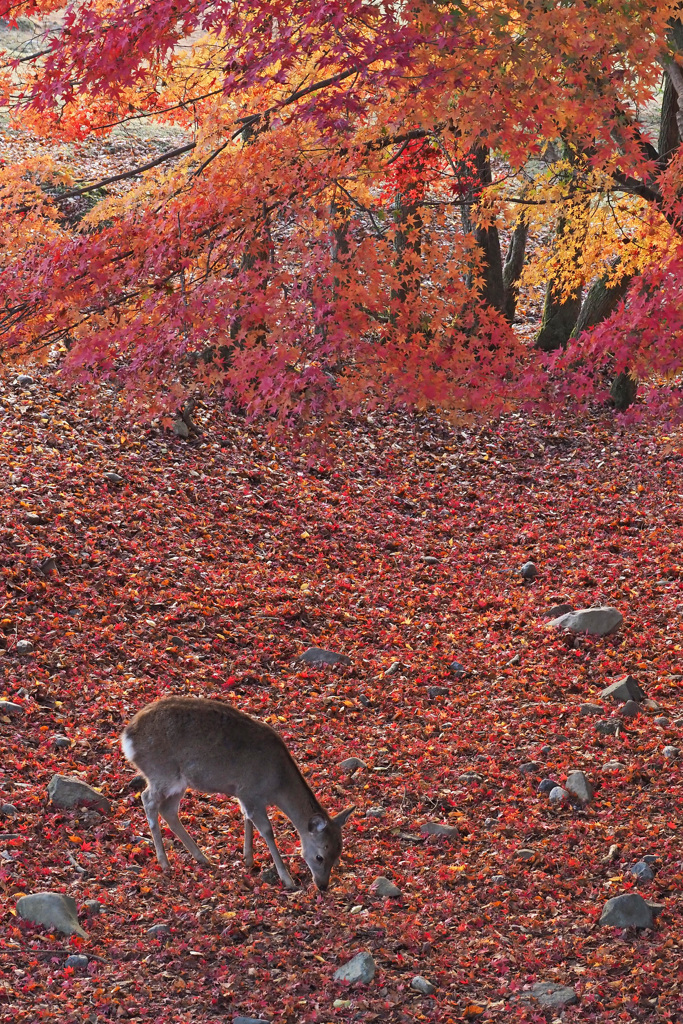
452, 205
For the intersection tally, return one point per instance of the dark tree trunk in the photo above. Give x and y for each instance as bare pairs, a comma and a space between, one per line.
487, 238
560, 312
600, 301
514, 263
623, 391
408, 242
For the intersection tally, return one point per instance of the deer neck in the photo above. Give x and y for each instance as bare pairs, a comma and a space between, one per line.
297, 800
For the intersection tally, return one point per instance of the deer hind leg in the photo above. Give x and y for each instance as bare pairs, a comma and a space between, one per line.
168, 809
151, 801
262, 822
248, 842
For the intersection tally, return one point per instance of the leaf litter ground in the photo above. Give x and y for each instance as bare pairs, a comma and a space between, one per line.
206, 571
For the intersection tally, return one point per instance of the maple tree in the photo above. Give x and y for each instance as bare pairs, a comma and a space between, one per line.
266, 260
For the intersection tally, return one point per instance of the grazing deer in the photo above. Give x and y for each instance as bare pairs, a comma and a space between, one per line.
210, 746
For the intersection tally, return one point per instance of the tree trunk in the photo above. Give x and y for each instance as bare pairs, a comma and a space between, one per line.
600, 301
623, 391
487, 238
408, 241
514, 263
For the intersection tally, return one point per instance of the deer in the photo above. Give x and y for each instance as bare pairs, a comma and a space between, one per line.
178, 743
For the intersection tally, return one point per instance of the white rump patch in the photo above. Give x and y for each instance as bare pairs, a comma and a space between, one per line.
127, 747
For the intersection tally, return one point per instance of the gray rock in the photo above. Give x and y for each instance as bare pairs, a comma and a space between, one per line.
613, 766
594, 621
590, 709
385, 888
558, 795
61, 742
671, 753
159, 931
516, 659
551, 995
53, 910
526, 855
579, 787
662, 721
457, 669
360, 969
546, 786
435, 828
34, 518
8, 707
630, 709
77, 960
422, 986
7, 810
92, 907
650, 858
430, 560
608, 726
180, 428
352, 764
48, 565
557, 610
627, 911
642, 871
528, 768
528, 571
437, 691
319, 656
624, 689
375, 812
23, 380
24, 647
67, 792
113, 478
651, 705
249, 1020
393, 668
497, 879
469, 777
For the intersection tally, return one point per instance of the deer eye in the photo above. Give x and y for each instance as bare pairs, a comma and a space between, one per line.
319, 858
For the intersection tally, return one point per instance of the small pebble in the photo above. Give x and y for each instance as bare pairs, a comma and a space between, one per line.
352, 764
526, 855
558, 795
93, 907
7, 810
670, 753
61, 742
422, 986
528, 571
630, 709
528, 768
77, 961
158, 931
375, 812
497, 879
662, 721
590, 709
642, 871
547, 786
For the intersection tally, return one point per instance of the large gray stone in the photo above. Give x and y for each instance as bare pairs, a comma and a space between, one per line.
360, 969
551, 995
249, 1020
624, 689
67, 793
8, 707
320, 656
528, 571
594, 621
53, 910
627, 911
578, 785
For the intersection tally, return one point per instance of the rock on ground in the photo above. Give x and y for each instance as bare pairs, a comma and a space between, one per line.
624, 689
77, 961
249, 1020
320, 656
578, 785
421, 985
551, 995
360, 969
53, 910
435, 828
642, 871
558, 795
8, 707
594, 621
67, 792
627, 911
352, 764
385, 888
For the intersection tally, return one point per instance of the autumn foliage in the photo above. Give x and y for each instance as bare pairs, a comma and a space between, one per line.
329, 234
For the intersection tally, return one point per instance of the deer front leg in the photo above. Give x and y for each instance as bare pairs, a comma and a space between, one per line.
151, 802
262, 822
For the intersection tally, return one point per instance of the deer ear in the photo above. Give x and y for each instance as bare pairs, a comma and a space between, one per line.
317, 823
343, 816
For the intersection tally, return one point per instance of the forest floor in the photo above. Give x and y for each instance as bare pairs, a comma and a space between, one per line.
206, 570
